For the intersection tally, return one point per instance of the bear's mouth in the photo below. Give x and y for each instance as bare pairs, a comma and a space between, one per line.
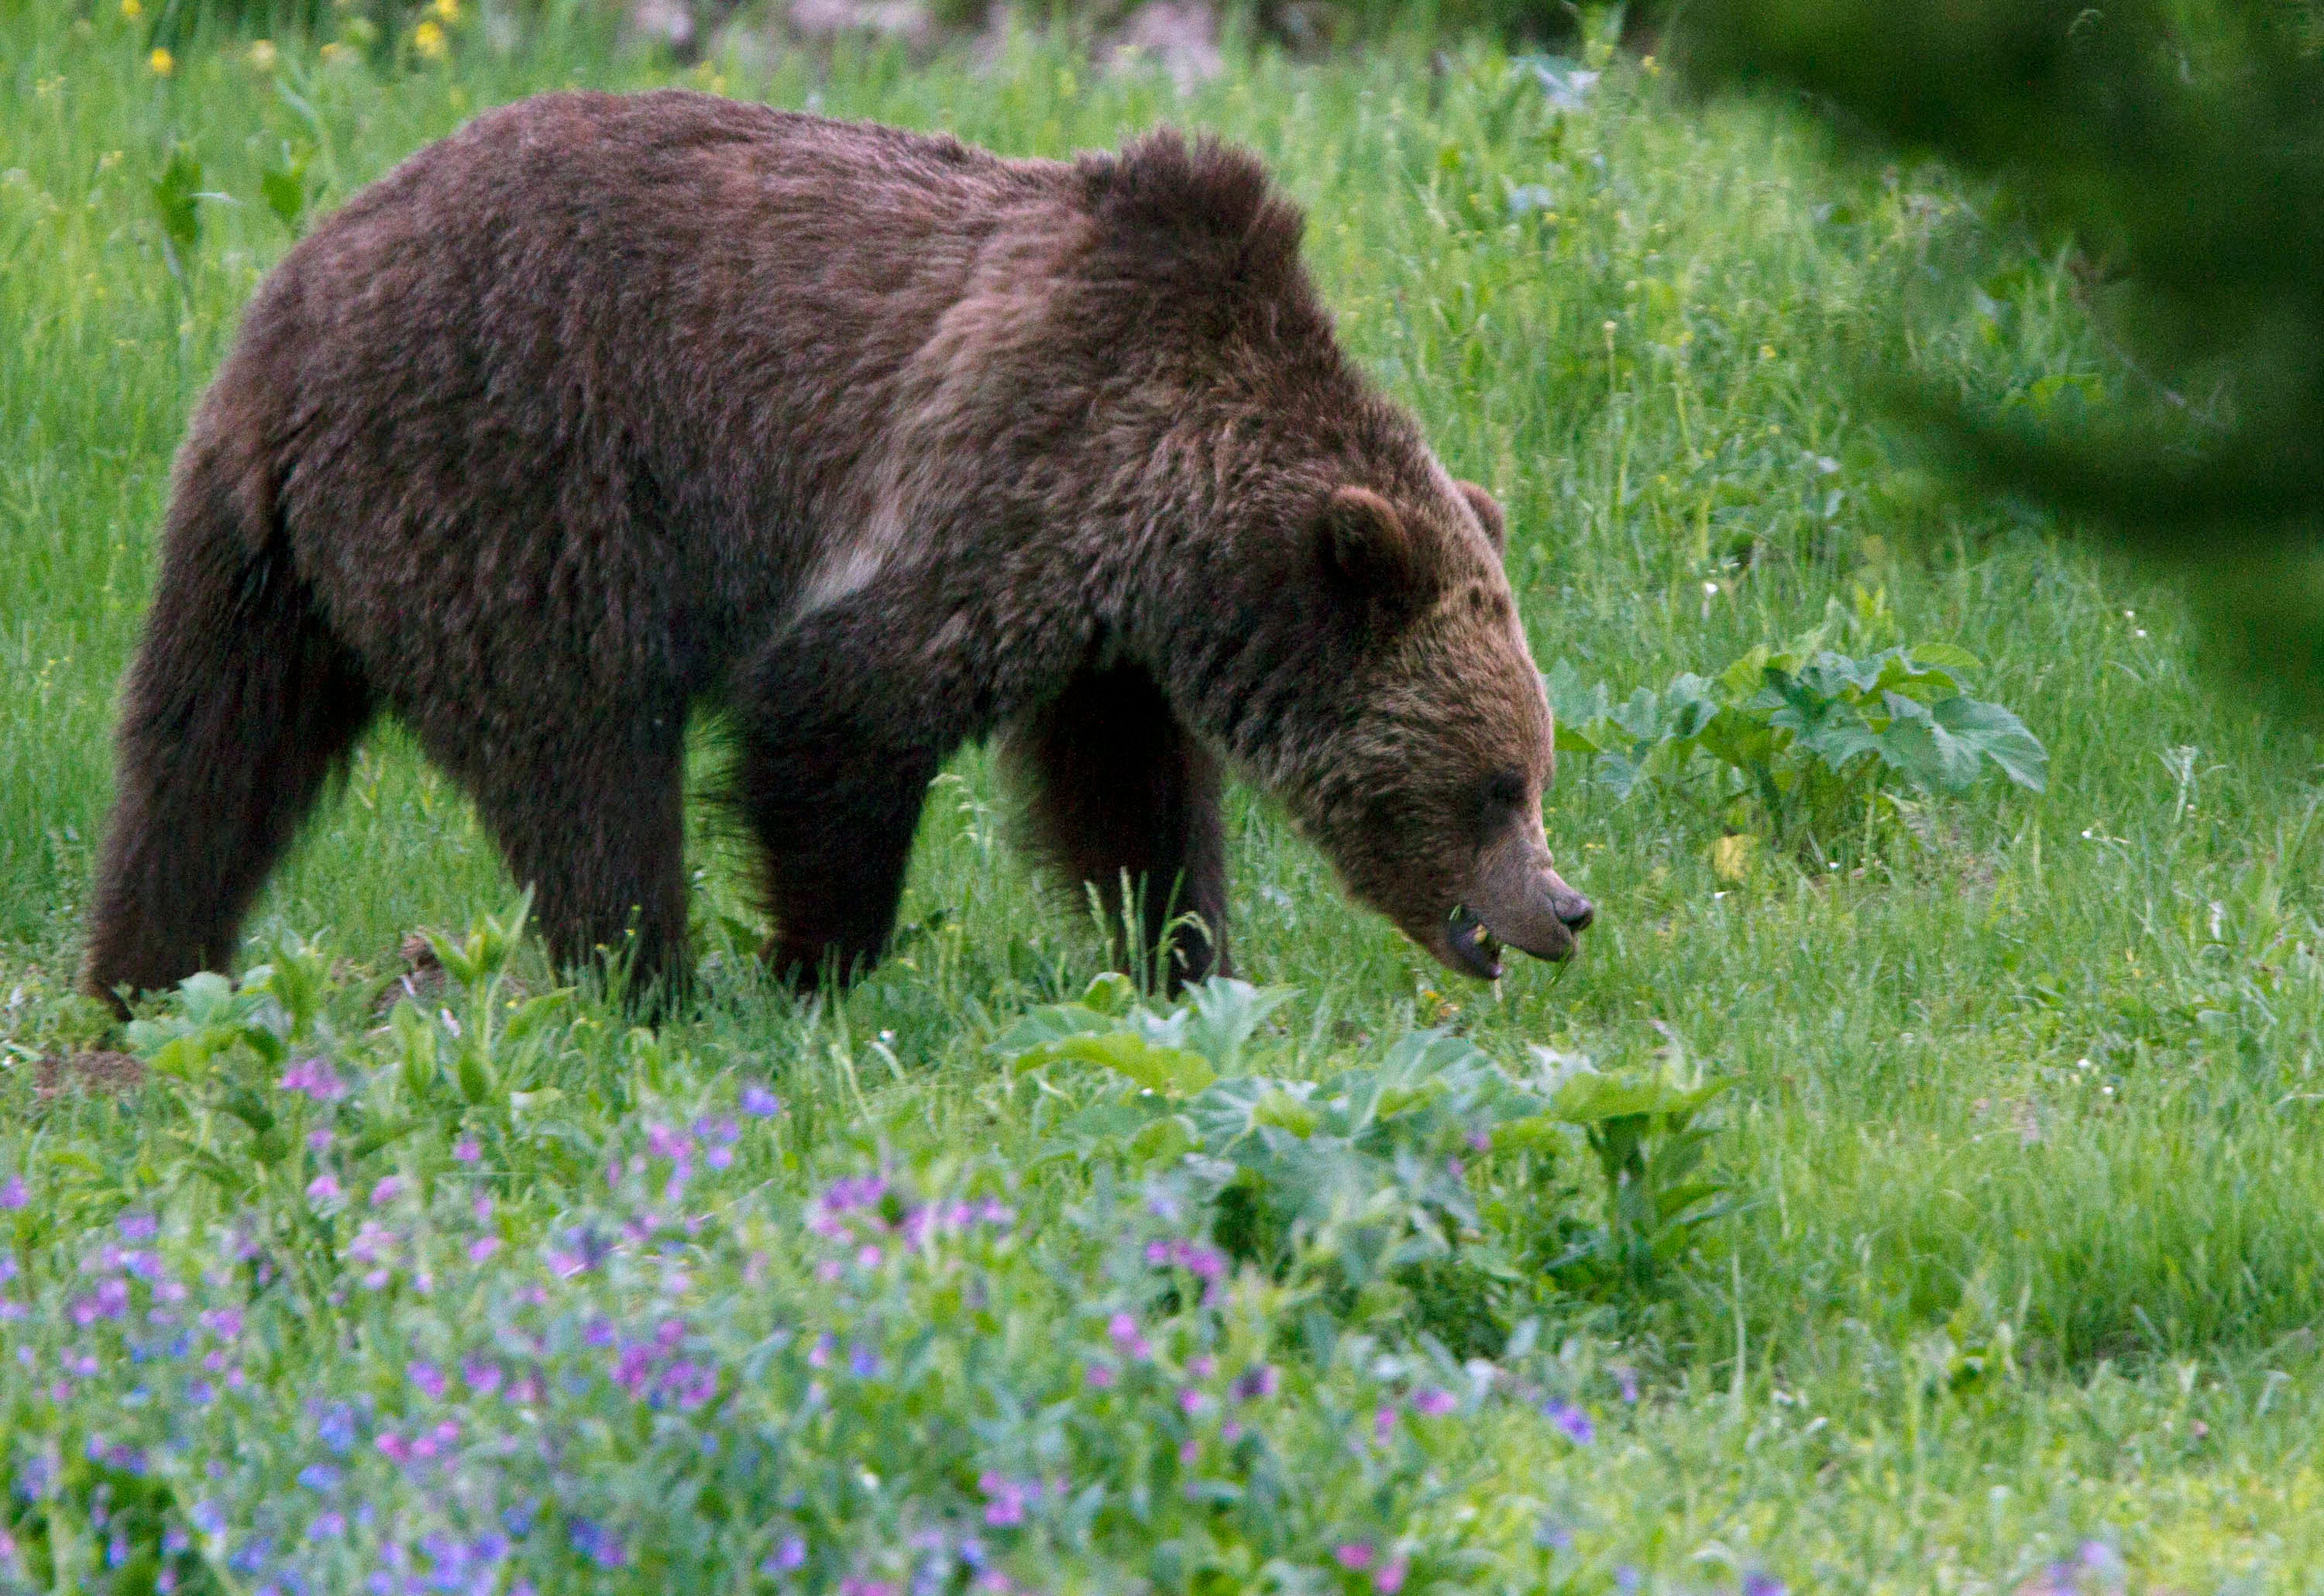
1477, 949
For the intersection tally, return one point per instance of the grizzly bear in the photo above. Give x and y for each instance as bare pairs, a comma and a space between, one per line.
607, 408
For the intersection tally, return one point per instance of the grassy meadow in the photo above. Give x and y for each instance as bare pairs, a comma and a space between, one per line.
495, 1291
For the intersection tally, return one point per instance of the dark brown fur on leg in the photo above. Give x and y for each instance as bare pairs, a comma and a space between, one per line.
1121, 797
606, 859
831, 783
834, 836
238, 708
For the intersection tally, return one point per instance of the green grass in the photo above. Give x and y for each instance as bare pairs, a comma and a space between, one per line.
2045, 1062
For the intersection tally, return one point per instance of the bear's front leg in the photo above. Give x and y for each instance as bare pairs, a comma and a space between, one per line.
1123, 799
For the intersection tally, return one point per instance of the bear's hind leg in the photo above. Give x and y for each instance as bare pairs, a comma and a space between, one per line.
593, 820
238, 708
1121, 797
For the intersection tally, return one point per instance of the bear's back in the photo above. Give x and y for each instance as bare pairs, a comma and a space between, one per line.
599, 354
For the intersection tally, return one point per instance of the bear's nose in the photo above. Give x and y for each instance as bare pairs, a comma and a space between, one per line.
1574, 911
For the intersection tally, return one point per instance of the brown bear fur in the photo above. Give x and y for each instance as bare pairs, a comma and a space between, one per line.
610, 408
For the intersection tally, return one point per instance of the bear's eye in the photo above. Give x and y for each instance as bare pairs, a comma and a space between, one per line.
1505, 789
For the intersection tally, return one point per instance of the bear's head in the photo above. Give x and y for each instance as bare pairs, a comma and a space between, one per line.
1424, 781
1338, 620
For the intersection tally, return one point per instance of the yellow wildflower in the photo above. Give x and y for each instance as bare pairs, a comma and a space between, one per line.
132, 9
447, 11
163, 63
334, 53
427, 39
1767, 352
261, 54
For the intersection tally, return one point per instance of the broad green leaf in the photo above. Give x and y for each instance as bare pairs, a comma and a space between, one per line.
1747, 675
1570, 702
1999, 735
1642, 716
1110, 992
1534, 1133
1950, 656
1225, 1014
284, 189
1164, 1140
1172, 1071
176, 194
1281, 1109
1052, 1022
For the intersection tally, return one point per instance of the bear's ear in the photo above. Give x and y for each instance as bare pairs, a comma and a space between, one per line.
1366, 552
1489, 511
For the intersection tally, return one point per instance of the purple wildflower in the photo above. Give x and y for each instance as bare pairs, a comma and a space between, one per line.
1123, 1329
1434, 1403
316, 1079
387, 1191
467, 1150
600, 1546
1756, 1583
1005, 1499
321, 1477
1206, 1264
632, 1369
138, 1227
11, 1195
1258, 1381
577, 1250
1571, 1419
790, 1553
1098, 1377
760, 1104
323, 1189
1390, 1580
689, 1385
1354, 1554
336, 1426
863, 1361
483, 1248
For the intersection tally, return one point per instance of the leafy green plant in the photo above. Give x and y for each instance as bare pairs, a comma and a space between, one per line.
1803, 732
1367, 1169
1647, 1134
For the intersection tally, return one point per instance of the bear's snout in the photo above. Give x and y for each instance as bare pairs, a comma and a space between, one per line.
1572, 910
1514, 899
